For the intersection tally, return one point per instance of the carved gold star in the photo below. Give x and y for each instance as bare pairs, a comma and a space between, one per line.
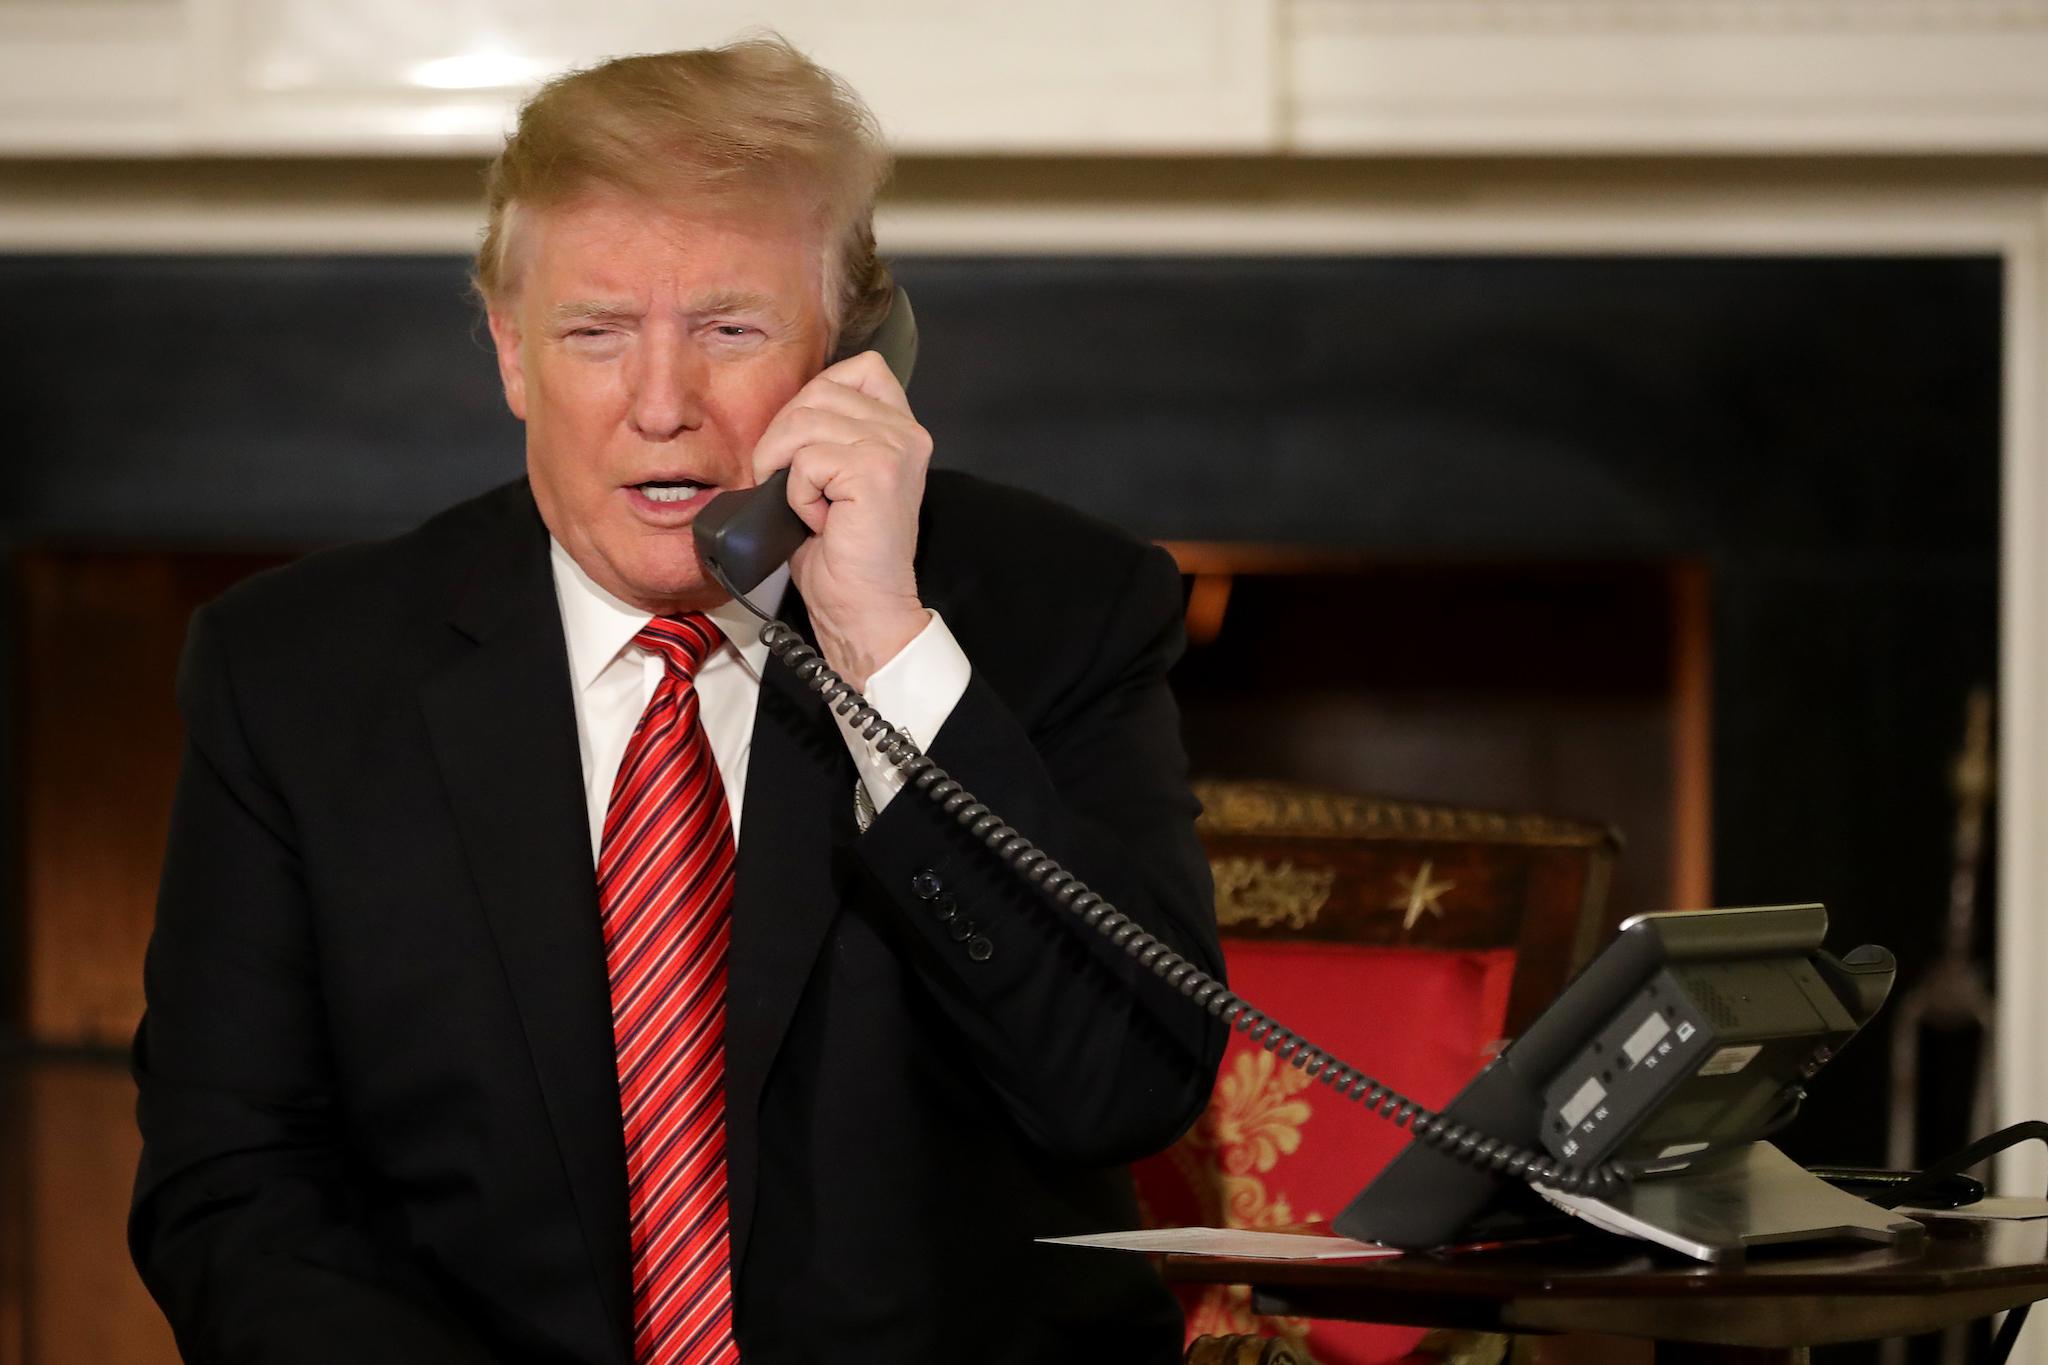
1420, 893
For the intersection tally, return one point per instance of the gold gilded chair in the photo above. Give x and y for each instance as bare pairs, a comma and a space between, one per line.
1244, 1350
1411, 940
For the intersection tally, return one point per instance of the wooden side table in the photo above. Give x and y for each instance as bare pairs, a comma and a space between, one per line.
1769, 1310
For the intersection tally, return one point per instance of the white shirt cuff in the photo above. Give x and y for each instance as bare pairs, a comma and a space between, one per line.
915, 692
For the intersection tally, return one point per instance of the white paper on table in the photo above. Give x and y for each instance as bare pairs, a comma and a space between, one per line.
1998, 1208
1264, 1246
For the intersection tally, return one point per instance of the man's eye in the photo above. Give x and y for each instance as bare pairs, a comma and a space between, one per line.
594, 332
733, 329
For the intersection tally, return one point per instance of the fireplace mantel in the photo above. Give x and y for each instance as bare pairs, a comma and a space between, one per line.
180, 78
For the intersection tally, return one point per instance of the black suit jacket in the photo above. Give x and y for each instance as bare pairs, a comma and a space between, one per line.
378, 1099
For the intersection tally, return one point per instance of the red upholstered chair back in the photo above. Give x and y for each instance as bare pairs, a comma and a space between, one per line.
1410, 940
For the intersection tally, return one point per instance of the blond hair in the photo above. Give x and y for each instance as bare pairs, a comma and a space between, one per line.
754, 122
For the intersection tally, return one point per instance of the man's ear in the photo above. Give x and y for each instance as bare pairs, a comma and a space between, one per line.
505, 336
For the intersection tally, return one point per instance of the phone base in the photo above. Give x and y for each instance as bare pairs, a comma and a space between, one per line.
1749, 1196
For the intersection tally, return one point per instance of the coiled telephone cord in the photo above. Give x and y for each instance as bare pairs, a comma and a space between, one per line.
1071, 894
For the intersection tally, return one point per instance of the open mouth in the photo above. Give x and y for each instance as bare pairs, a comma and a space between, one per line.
670, 490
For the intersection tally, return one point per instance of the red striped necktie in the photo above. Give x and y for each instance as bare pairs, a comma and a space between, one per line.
664, 883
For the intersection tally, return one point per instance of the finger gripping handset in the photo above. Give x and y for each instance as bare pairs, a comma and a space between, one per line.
745, 534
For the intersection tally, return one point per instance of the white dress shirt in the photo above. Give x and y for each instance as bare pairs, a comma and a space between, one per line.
612, 679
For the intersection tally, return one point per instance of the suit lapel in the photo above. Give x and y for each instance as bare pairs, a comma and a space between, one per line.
799, 781
502, 719
503, 724
799, 800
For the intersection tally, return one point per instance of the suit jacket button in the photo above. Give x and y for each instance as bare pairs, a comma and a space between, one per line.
980, 949
944, 907
962, 929
926, 884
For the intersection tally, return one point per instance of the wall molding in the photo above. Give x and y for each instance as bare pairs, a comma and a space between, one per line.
279, 78
1463, 77
1671, 16
272, 78
2022, 723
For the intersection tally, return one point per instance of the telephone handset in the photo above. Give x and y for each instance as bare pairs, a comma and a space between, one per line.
747, 533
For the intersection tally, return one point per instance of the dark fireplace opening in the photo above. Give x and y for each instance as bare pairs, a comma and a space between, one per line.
99, 633
1573, 689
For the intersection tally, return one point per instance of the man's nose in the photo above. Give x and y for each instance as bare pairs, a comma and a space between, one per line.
668, 386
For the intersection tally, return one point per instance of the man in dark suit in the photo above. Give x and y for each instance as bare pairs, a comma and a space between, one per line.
397, 987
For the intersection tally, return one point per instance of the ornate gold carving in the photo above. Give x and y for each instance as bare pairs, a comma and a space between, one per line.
1291, 810
1457, 1347
1254, 891
1244, 1348
1420, 893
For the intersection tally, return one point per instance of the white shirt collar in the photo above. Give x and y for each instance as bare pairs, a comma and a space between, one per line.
598, 626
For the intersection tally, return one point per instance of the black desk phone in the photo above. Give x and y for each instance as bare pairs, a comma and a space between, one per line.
1614, 1070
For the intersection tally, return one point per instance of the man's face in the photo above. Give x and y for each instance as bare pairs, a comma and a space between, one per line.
646, 352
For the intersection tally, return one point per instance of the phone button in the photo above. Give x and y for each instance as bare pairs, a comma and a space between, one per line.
980, 949
961, 929
926, 884
944, 907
